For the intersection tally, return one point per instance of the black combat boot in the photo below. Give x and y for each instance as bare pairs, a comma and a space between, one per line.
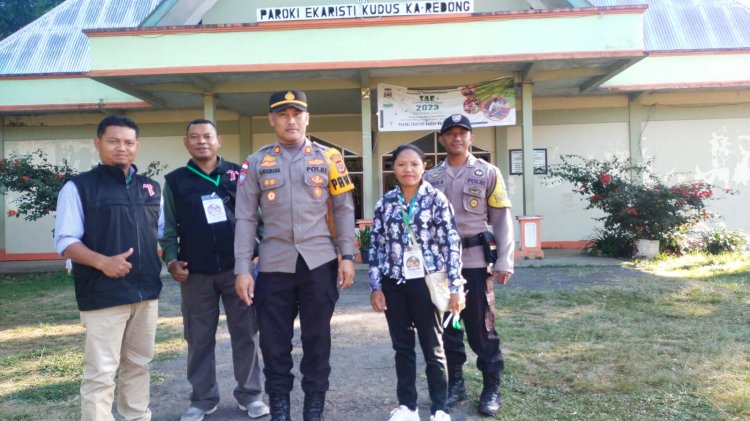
489, 399
314, 403
456, 386
280, 407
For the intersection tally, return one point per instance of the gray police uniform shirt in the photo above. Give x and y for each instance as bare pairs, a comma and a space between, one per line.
292, 190
478, 195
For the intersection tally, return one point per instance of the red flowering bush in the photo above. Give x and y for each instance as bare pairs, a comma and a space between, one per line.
650, 209
38, 182
36, 179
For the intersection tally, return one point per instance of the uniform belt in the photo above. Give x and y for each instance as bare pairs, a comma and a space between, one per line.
471, 241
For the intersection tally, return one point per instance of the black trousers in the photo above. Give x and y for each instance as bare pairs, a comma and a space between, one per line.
409, 308
479, 321
279, 297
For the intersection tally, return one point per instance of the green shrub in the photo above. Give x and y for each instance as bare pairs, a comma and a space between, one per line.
363, 236
721, 240
637, 203
610, 243
38, 181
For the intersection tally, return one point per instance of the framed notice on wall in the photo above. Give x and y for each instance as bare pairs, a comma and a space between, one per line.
516, 161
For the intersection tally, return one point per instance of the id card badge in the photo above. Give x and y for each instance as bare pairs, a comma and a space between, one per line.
413, 262
213, 206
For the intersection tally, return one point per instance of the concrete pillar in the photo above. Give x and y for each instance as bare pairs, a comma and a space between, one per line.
369, 181
2, 202
635, 129
209, 107
501, 150
246, 136
527, 136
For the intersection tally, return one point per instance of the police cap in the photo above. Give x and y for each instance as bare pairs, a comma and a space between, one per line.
284, 99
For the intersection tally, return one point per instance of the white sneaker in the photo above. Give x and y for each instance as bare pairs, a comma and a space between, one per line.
196, 414
403, 413
256, 409
440, 416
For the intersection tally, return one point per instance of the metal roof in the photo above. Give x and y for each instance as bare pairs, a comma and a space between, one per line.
55, 43
678, 25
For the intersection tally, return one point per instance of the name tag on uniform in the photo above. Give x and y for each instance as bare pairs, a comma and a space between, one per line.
213, 206
413, 262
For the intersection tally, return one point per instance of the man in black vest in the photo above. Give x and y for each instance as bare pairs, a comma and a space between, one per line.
106, 224
198, 245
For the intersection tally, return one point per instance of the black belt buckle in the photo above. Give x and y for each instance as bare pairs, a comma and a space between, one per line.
471, 241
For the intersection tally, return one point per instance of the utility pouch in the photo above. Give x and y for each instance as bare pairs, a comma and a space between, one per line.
489, 246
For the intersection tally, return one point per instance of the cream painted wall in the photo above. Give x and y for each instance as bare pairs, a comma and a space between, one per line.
701, 140
713, 150
22, 236
564, 216
36, 237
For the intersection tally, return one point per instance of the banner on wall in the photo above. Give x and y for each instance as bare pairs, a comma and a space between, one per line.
491, 103
363, 10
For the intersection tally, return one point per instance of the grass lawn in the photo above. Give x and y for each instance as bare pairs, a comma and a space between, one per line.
675, 346
41, 346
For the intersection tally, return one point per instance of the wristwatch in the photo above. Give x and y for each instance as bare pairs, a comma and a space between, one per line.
347, 257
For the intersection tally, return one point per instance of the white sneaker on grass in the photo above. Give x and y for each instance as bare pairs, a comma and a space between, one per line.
196, 414
256, 409
403, 413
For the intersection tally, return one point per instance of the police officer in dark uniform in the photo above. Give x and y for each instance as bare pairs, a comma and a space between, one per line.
292, 182
477, 191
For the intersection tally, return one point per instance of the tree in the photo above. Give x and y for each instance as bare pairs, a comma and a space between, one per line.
15, 14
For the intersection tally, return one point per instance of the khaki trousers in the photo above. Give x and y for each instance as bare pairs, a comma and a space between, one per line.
121, 336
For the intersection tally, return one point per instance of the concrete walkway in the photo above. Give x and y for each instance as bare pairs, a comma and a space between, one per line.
552, 257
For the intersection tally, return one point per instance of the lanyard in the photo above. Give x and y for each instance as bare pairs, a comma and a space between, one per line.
407, 217
200, 174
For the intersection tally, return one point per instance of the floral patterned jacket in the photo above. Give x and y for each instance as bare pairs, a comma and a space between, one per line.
434, 229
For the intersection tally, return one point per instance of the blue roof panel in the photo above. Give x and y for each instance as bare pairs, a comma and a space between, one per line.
55, 43
675, 25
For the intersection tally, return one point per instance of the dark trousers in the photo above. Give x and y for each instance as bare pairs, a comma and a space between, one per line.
279, 297
479, 321
409, 307
200, 315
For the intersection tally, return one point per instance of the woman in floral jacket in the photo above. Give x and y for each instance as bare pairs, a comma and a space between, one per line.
400, 255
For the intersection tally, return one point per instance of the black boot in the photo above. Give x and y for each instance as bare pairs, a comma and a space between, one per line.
489, 399
456, 386
279, 405
314, 403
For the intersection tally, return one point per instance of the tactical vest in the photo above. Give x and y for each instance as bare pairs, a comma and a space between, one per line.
208, 248
118, 216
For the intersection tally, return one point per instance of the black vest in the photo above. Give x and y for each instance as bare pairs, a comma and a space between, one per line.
208, 248
118, 216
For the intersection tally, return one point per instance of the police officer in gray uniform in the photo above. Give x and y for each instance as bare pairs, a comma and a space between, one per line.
292, 182
477, 192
